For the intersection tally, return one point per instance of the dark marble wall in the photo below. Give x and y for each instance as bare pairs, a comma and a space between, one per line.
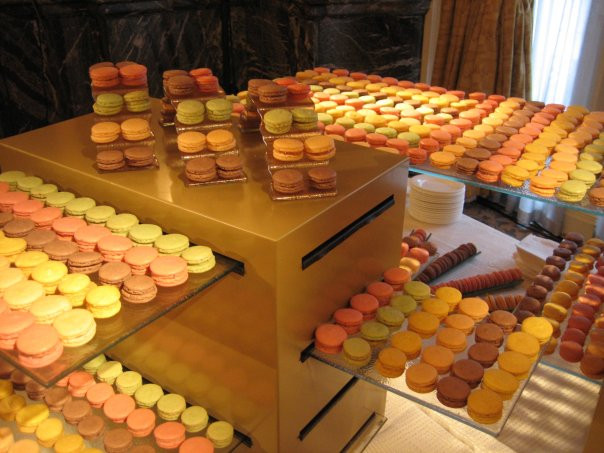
46, 46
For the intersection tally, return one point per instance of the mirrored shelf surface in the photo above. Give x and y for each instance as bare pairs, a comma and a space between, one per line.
584, 205
130, 319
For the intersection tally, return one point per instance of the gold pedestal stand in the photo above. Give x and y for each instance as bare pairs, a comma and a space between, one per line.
236, 347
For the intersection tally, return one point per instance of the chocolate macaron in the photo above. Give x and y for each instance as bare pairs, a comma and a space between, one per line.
469, 371
229, 167
139, 156
551, 271
288, 181
59, 250
483, 353
563, 253
110, 160
452, 391
322, 178
139, 289
114, 273
85, 262
38, 239
201, 169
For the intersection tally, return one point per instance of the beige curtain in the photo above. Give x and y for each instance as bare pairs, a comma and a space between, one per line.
485, 45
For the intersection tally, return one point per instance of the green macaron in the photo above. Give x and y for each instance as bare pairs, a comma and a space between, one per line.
171, 244
42, 191
120, 224
11, 177
305, 119
199, 259
137, 101
26, 183
59, 199
99, 214
345, 122
411, 137
78, 206
190, 112
387, 131
108, 104
325, 118
145, 233
369, 128
219, 109
278, 121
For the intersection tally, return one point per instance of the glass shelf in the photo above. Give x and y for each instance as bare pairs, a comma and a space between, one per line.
129, 320
238, 438
399, 387
584, 205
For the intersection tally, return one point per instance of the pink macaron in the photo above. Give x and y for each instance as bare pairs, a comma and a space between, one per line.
45, 217
24, 209
39, 345
12, 323
87, 237
65, 227
141, 422
169, 435
114, 247
139, 259
168, 271
98, 393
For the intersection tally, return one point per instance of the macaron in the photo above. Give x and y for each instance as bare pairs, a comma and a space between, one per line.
49, 431
170, 435
357, 351
524, 344
98, 394
103, 301
439, 357
391, 362
171, 406
38, 346
144, 234
75, 327
76, 410
421, 378
139, 258
109, 371
485, 406
194, 419
220, 433
199, 259
141, 422
148, 395
169, 271
329, 338
468, 371
118, 440
423, 323
374, 332
118, 407
29, 417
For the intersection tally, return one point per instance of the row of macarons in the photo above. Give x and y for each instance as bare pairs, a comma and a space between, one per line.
107, 75
575, 302
44, 206
116, 396
131, 130
215, 141
195, 82
110, 104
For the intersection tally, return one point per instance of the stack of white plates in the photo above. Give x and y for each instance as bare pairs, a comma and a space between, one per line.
435, 200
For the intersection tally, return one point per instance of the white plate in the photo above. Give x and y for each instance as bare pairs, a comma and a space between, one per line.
432, 184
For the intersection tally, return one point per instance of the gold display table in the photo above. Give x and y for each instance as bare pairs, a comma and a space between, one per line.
236, 347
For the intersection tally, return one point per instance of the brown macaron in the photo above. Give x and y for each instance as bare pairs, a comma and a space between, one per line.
551, 271
545, 281
85, 262
322, 178
118, 440
35, 391
530, 304
91, 427
272, 93
5, 217
469, 371
114, 273
536, 291
288, 181
201, 169
19, 379
38, 239
452, 391
229, 167
483, 353
563, 253
59, 250
110, 160
489, 333
74, 411
139, 289
139, 156
56, 398
18, 228
504, 319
